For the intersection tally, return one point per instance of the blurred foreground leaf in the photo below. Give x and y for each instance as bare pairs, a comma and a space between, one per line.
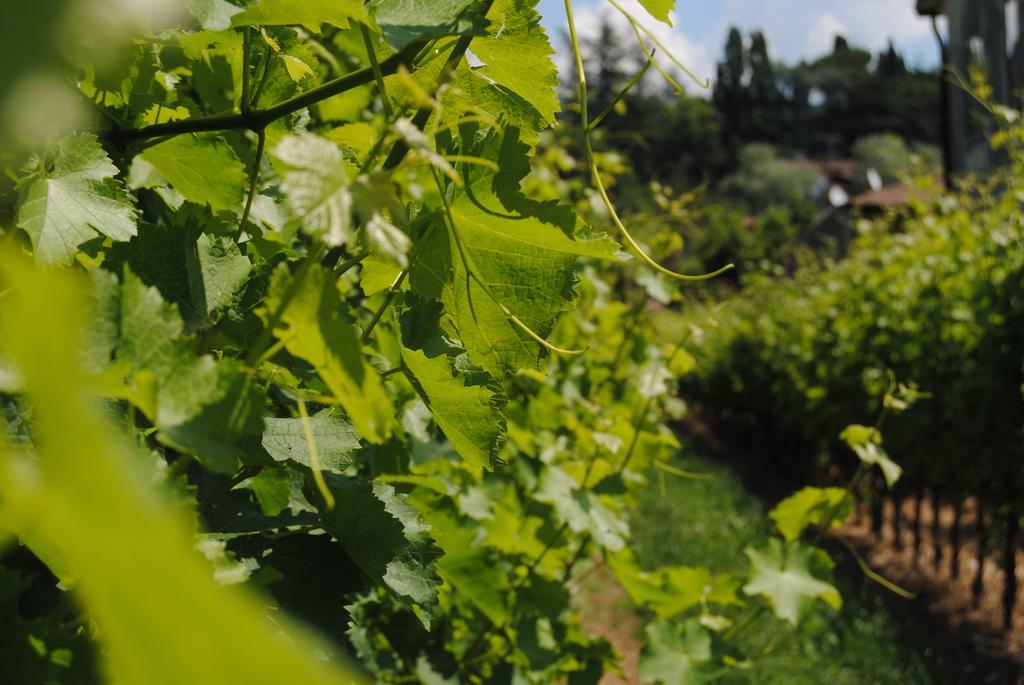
159, 613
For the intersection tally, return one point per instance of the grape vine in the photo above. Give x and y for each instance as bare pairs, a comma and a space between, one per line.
313, 342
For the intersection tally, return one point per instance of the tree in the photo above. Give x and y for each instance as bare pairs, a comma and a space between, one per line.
890, 63
763, 94
764, 180
729, 95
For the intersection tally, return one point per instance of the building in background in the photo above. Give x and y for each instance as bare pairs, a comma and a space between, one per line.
983, 33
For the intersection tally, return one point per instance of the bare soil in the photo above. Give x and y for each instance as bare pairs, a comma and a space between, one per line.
988, 652
606, 611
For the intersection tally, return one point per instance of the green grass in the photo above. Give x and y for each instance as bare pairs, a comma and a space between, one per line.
710, 522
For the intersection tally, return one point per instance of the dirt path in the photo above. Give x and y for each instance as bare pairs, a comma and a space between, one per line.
606, 611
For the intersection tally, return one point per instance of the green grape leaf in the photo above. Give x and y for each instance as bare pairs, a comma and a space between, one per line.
467, 568
465, 410
210, 408
406, 21
361, 522
336, 439
465, 413
866, 443
428, 676
273, 490
377, 206
316, 185
357, 137
201, 275
676, 654
517, 56
213, 15
217, 66
313, 329
203, 169
582, 510
216, 274
104, 313
646, 588
74, 200
295, 67
659, 9
524, 251
687, 586
337, 13
201, 405
785, 574
472, 92
377, 275
509, 529
811, 506
421, 145
227, 568
412, 579
670, 590
157, 256
150, 328
121, 534
517, 82
856, 434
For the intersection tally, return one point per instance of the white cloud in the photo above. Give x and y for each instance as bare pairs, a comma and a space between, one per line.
803, 29
821, 36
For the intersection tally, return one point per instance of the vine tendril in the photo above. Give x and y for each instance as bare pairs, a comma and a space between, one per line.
596, 174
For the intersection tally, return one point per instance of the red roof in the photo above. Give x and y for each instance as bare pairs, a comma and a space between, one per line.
889, 196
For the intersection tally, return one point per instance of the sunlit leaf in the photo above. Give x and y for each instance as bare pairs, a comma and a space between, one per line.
787, 575
74, 199
203, 169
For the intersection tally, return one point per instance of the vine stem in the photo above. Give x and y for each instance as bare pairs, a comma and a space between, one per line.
348, 264
872, 575
256, 118
261, 143
262, 343
580, 551
386, 304
264, 76
371, 54
739, 627
622, 93
595, 172
650, 55
314, 455
422, 116
690, 475
396, 286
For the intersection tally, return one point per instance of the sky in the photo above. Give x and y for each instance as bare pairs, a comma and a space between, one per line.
795, 29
